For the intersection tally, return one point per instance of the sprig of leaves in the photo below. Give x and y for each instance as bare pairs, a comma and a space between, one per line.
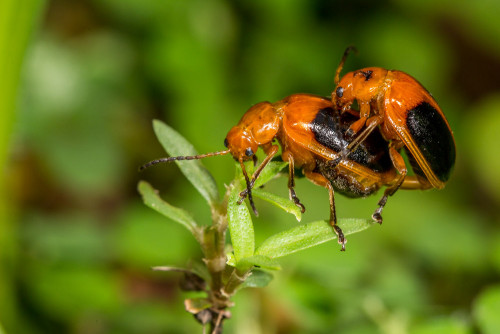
250, 264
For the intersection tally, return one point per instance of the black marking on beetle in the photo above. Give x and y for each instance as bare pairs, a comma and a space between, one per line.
366, 74
329, 128
226, 142
432, 136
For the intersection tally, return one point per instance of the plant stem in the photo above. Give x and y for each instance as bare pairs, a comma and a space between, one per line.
213, 243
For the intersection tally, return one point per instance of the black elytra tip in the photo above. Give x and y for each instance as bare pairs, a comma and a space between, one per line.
226, 143
248, 152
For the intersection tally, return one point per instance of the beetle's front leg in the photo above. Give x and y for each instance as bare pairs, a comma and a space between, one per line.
364, 113
270, 154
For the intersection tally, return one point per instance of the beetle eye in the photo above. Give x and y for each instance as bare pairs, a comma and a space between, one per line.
339, 91
226, 143
249, 152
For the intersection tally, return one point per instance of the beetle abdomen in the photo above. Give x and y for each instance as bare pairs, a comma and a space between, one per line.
329, 128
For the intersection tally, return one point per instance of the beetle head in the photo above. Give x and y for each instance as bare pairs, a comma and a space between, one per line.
362, 85
240, 143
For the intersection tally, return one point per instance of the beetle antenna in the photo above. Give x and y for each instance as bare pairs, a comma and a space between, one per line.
350, 48
187, 157
249, 189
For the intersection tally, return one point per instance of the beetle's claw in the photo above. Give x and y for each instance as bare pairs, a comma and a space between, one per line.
377, 216
335, 162
341, 239
350, 133
301, 206
296, 200
243, 195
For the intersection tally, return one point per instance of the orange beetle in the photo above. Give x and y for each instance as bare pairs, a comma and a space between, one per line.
311, 132
407, 116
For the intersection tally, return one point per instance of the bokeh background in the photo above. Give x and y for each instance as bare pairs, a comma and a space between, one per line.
77, 243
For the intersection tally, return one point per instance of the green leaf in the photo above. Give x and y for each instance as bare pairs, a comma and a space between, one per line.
308, 235
240, 225
486, 310
257, 279
176, 145
281, 202
269, 172
443, 325
154, 201
260, 261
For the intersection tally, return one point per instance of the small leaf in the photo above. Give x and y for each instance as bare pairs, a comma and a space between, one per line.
240, 225
176, 145
486, 310
269, 172
257, 279
260, 261
196, 305
153, 200
308, 235
281, 202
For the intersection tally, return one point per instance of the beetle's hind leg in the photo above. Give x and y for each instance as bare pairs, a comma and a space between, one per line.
399, 164
320, 180
291, 182
409, 182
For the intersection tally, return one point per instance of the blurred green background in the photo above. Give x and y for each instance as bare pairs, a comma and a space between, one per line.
77, 243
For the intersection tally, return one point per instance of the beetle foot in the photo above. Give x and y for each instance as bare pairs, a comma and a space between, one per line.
341, 239
243, 195
300, 205
295, 199
350, 133
335, 162
377, 216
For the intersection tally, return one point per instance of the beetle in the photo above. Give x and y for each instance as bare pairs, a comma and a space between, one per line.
311, 132
407, 116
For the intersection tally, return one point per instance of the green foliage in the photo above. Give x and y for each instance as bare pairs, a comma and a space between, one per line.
308, 235
154, 201
176, 145
81, 81
280, 202
486, 310
240, 225
18, 20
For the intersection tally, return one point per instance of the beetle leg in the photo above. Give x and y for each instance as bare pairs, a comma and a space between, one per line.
399, 164
412, 182
320, 180
364, 113
248, 191
291, 182
356, 127
250, 183
372, 123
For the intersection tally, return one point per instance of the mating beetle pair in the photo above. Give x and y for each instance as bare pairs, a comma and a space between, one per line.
346, 150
